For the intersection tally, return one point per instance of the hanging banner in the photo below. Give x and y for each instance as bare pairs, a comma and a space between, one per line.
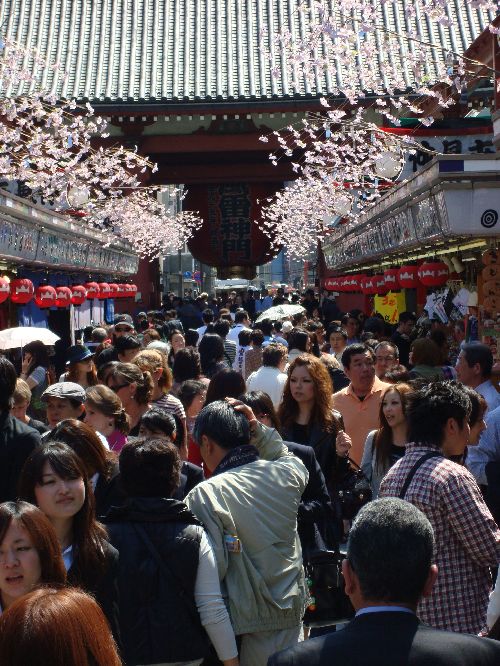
390, 305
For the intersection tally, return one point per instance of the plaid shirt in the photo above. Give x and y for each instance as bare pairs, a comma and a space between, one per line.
467, 538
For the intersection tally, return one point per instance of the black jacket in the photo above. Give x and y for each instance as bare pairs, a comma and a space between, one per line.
391, 639
103, 588
323, 444
158, 616
191, 476
108, 492
17, 441
314, 507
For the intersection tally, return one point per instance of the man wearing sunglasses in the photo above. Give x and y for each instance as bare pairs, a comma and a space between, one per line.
123, 326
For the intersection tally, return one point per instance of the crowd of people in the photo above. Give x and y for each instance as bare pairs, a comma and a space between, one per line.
162, 491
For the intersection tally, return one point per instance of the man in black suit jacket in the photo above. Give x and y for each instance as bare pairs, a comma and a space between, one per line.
387, 570
17, 440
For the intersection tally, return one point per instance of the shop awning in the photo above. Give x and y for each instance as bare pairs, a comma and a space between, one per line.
31, 234
454, 199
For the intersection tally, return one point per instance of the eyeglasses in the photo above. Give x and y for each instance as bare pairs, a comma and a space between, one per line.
385, 358
117, 388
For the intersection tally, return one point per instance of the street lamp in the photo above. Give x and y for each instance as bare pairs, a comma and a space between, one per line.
78, 196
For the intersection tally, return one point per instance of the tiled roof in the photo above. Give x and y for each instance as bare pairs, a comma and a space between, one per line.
160, 51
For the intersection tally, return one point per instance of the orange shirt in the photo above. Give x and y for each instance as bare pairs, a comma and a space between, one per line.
360, 416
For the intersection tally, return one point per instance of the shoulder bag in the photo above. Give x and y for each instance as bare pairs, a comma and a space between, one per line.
413, 470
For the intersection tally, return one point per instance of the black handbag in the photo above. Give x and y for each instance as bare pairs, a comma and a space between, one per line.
351, 490
328, 603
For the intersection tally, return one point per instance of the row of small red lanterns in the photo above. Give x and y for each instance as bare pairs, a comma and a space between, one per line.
22, 291
429, 274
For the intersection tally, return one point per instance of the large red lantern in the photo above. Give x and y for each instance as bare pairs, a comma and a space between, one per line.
63, 297
232, 235
380, 285
4, 289
45, 296
104, 291
21, 291
121, 291
113, 289
408, 277
433, 274
391, 277
78, 294
92, 290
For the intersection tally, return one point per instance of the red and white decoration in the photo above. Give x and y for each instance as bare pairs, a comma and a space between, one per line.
21, 291
4, 289
433, 274
78, 295
92, 290
63, 299
45, 296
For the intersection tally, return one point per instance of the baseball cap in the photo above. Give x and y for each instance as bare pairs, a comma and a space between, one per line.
127, 342
123, 320
65, 390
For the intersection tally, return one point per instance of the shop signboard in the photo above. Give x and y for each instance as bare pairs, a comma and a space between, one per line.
390, 306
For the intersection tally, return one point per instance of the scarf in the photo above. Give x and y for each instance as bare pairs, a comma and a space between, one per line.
240, 455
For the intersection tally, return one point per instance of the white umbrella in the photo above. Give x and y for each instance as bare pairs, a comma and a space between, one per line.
12, 338
279, 312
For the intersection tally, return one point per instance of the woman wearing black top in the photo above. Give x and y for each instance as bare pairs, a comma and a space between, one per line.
55, 479
307, 416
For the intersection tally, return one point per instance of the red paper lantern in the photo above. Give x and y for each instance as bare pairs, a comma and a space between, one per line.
45, 296
63, 299
130, 290
78, 294
332, 284
408, 277
104, 291
380, 285
21, 291
92, 290
4, 289
367, 285
231, 240
113, 289
121, 291
349, 283
391, 277
433, 274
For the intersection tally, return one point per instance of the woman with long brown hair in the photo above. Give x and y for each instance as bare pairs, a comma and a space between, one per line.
383, 447
55, 479
307, 416
100, 463
56, 627
29, 552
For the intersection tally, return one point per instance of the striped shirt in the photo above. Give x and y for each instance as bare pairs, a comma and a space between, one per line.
467, 538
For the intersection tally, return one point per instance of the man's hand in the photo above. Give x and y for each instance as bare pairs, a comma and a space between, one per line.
342, 444
239, 406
